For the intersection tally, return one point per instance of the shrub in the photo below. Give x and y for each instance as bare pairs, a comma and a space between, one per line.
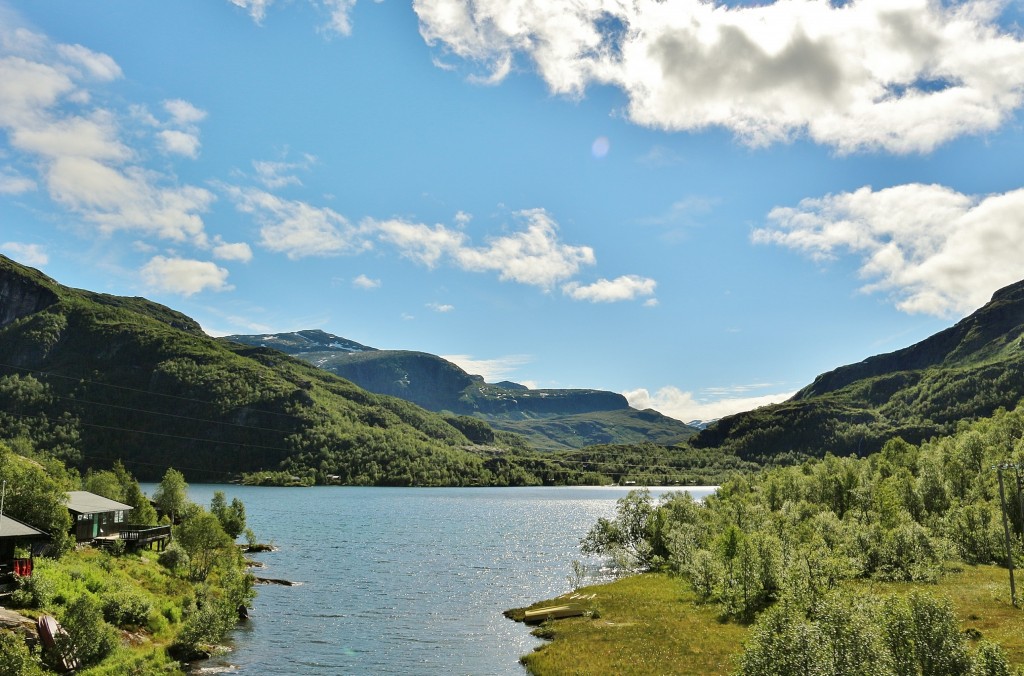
89, 638
126, 608
15, 657
173, 557
35, 591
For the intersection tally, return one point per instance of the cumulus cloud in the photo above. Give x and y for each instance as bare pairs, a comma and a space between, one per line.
492, 370
79, 149
441, 307
237, 251
364, 282
183, 113
178, 142
899, 75
295, 228
676, 403
99, 66
627, 287
183, 276
932, 249
29, 254
533, 255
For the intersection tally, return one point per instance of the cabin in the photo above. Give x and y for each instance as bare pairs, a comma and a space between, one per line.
95, 516
16, 535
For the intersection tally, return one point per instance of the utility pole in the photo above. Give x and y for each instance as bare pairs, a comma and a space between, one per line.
1020, 496
1006, 531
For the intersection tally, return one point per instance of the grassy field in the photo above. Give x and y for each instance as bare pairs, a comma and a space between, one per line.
653, 624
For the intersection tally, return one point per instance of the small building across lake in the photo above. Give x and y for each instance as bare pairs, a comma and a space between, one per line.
95, 515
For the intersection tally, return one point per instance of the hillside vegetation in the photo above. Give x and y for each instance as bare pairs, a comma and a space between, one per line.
90, 379
965, 372
891, 564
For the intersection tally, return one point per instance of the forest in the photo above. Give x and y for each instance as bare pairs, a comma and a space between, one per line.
798, 554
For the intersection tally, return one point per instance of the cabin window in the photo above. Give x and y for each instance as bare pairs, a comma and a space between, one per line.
119, 516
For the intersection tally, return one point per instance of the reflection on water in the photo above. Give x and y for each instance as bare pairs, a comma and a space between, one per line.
405, 580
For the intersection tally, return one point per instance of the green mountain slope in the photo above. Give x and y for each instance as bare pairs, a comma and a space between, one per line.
965, 372
89, 378
550, 419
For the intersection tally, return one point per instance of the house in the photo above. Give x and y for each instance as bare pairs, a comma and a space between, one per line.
16, 535
95, 516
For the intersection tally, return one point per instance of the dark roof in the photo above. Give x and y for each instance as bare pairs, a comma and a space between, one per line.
84, 502
12, 528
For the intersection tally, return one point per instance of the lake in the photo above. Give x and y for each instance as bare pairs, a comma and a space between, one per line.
404, 580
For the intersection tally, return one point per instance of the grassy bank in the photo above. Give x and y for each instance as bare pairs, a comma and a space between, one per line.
654, 624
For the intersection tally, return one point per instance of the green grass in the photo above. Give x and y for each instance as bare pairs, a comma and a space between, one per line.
647, 624
653, 624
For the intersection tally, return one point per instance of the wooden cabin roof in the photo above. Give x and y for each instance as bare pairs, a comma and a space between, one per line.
12, 528
84, 502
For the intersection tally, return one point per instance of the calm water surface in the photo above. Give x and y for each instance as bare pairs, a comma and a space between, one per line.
405, 580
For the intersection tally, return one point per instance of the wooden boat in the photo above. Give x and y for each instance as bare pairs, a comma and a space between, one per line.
50, 633
552, 613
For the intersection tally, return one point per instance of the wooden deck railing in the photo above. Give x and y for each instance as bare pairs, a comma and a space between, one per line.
144, 533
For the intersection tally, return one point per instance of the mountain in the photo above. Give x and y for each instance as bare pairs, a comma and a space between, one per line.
964, 372
90, 378
550, 419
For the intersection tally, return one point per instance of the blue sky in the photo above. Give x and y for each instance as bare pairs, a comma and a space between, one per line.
700, 205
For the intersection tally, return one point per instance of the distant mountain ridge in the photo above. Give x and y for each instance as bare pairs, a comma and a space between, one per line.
963, 372
89, 378
427, 380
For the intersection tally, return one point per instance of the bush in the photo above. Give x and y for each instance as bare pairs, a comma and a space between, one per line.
89, 638
126, 608
35, 591
173, 557
15, 657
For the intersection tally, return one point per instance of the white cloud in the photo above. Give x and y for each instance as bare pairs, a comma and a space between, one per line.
627, 287
340, 21
79, 148
533, 255
257, 8
29, 254
183, 276
180, 142
274, 175
675, 403
492, 370
364, 282
339, 12
100, 66
12, 183
129, 200
440, 307
900, 75
934, 250
651, 302
297, 229
183, 113
238, 251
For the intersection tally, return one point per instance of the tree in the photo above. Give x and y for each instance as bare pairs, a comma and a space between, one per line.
104, 483
171, 495
231, 517
627, 536
201, 536
143, 513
